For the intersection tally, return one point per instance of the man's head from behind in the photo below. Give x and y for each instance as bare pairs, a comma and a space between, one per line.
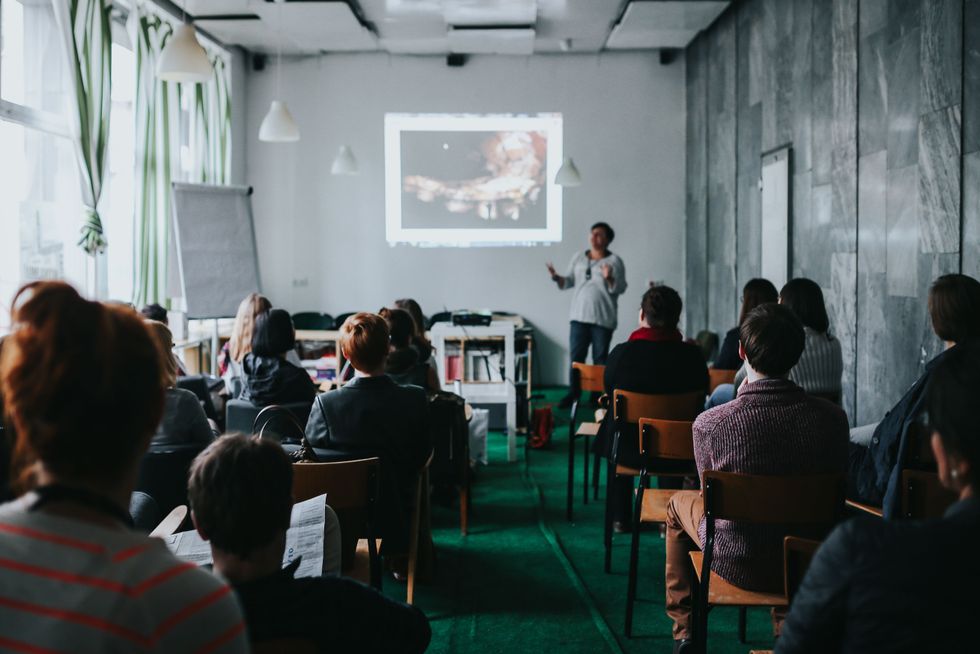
240, 489
772, 339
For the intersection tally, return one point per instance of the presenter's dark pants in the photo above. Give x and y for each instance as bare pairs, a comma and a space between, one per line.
580, 336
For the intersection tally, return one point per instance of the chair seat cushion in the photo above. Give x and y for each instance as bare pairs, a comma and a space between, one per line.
655, 501
723, 593
587, 429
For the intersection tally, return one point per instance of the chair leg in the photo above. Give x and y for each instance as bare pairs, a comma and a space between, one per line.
741, 624
585, 470
634, 562
571, 462
596, 467
464, 510
413, 543
607, 533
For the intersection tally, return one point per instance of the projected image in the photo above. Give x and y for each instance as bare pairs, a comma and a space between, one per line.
472, 180
477, 179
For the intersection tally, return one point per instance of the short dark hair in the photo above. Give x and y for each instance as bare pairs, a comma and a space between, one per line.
662, 306
954, 307
274, 333
773, 339
364, 339
953, 388
804, 298
401, 326
755, 292
610, 234
241, 492
155, 312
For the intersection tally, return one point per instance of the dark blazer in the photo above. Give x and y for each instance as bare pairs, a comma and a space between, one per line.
374, 416
663, 367
875, 470
183, 421
271, 380
890, 586
728, 358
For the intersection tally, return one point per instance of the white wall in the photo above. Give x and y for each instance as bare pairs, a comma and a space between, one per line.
322, 238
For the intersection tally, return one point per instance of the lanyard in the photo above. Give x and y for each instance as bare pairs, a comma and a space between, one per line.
94, 501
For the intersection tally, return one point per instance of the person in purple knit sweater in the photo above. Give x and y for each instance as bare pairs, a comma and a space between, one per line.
772, 428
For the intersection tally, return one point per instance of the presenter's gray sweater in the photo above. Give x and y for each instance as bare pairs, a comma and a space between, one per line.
594, 301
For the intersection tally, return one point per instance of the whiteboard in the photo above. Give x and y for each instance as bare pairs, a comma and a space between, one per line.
775, 217
216, 254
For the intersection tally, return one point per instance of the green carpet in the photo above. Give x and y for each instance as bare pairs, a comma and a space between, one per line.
525, 579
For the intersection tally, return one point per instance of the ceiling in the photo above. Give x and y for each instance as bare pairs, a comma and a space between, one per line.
441, 27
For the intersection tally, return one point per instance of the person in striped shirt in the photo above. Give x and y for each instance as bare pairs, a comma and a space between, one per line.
83, 387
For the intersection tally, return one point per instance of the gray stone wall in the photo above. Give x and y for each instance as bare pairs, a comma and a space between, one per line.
880, 101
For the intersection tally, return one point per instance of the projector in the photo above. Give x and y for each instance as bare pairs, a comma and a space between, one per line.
471, 319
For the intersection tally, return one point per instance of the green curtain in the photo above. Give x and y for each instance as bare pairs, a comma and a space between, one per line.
212, 123
86, 31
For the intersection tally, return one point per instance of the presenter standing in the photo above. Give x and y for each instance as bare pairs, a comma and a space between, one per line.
598, 278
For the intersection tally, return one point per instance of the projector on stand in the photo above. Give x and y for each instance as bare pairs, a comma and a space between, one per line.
471, 319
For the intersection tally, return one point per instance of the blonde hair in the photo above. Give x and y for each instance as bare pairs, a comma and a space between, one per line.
241, 334
165, 342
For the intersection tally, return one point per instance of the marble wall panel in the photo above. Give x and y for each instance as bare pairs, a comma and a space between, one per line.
696, 257
844, 126
748, 263
872, 207
939, 180
874, 16
902, 239
813, 249
822, 101
903, 100
841, 299
802, 83
873, 93
800, 221
903, 352
971, 76
941, 51
873, 398
971, 214
903, 17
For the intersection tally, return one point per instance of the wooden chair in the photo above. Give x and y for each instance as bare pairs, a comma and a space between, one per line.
589, 379
420, 515
923, 497
666, 450
797, 554
717, 377
171, 524
352, 492
805, 502
628, 408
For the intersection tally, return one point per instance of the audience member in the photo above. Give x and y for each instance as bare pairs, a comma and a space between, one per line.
419, 341
654, 360
771, 428
155, 312
76, 576
268, 377
373, 416
240, 343
404, 364
240, 490
183, 422
755, 292
903, 586
878, 450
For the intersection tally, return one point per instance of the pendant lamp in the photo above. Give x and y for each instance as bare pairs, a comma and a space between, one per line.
278, 125
568, 174
183, 59
344, 163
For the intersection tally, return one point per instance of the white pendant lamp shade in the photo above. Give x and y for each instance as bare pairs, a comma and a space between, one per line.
183, 59
568, 174
344, 163
278, 125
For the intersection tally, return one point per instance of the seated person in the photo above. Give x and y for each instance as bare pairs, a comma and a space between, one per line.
755, 292
183, 422
655, 359
268, 377
240, 491
68, 545
404, 364
373, 416
155, 312
235, 348
875, 461
874, 585
419, 341
771, 428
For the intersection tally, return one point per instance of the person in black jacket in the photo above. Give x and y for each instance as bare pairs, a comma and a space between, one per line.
755, 292
404, 364
269, 377
902, 586
240, 491
655, 359
875, 466
373, 416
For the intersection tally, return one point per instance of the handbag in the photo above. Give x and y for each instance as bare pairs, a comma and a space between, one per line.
542, 427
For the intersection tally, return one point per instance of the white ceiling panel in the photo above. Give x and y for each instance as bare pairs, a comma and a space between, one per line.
490, 12
317, 25
661, 24
416, 46
213, 7
518, 41
253, 35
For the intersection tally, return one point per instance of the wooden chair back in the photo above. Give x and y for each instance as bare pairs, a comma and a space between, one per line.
920, 455
589, 376
171, 524
771, 499
797, 554
923, 497
352, 491
629, 407
420, 534
717, 377
666, 439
